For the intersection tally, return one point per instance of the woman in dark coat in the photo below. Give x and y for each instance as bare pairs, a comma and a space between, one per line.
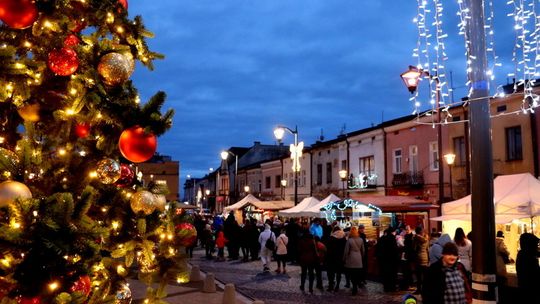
334, 258
388, 258
307, 259
527, 268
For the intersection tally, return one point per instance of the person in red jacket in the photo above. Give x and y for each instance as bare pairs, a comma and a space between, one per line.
220, 243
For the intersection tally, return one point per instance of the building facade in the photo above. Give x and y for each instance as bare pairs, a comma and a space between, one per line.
163, 170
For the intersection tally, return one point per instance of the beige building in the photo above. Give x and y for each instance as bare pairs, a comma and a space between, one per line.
162, 169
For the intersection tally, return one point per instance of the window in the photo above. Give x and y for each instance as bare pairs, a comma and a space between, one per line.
433, 156
459, 151
343, 165
501, 108
328, 173
367, 165
397, 161
303, 178
514, 148
319, 174
268, 182
278, 181
413, 159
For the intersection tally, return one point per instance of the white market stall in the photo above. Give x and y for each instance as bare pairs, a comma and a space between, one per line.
315, 210
298, 210
238, 206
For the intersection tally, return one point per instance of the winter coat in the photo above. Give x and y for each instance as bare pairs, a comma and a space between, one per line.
420, 245
435, 283
220, 239
352, 256
336, 247
501, 250
265, 235
527, 268
465, 255
435, 252
281, 244
307, 251
316, 230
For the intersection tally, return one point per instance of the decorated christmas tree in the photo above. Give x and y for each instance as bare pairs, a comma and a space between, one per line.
75, 222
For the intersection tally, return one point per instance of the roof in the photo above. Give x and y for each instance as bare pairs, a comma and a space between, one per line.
393, 203
273, 205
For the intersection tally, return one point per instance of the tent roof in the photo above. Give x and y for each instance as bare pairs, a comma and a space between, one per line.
315, 210
515, 196
296, 211
392, 203
241, 203
273, 205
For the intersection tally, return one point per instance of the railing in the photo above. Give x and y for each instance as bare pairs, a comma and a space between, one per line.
409, 178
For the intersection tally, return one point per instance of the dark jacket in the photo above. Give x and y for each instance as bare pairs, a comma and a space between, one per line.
307, 251
435, 283
527, 268
336, 247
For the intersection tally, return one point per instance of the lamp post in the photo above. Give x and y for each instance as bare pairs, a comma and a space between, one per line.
283, 185
343, 176
450, 158
246, 189
207, 192
224, 156
411, 77
296, 153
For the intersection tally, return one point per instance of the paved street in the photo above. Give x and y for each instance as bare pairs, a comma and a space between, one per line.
275, 288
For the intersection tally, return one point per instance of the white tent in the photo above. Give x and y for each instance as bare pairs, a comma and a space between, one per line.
515, 196
297, 211
315, 210
241, 203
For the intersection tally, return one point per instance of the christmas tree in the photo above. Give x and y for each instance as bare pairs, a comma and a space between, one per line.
75, 221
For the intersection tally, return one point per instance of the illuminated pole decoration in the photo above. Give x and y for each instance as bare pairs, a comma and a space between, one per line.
224, 156
296, 153
450, 158
343, 177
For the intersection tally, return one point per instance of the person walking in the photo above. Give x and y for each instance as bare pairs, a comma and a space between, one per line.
293, 233
266, 253
307, 258
334, 258
362, 234
446, 280
464, 250
527, 268
388, 258
421, 259
407, 259
435, 251
281, 251
220, 244
502, 256
352, 256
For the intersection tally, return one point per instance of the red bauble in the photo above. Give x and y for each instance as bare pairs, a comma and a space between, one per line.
63, 62
18, 14
71, 40
126, 176
25, 300
186, 234
124, 3
136, 145
82, 285
82, 130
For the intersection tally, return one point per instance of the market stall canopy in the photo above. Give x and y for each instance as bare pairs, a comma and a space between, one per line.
315, 211
242, 203
515, 196
397, 203
297, 211
273, 205
185, 206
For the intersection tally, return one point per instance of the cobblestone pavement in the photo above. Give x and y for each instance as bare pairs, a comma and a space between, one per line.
275, 288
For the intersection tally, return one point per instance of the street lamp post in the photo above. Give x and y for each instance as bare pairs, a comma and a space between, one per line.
283, 185
343, 176
296, 153
224, 156
411, 78
450, 158
246, 189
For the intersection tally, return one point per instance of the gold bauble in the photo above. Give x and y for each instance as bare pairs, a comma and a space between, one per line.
12, 190
115, 68
123, 294
160, 201
143, 201
108, 171
29, 112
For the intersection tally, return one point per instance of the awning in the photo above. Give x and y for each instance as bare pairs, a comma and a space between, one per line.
242, 203
273, 205
397, 203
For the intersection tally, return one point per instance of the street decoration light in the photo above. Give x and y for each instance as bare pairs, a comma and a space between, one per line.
246, 189
343, 176
296, 153
450, 158
283, 183
224, 156
411, 77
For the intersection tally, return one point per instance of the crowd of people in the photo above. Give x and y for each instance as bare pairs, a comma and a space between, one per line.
436, 267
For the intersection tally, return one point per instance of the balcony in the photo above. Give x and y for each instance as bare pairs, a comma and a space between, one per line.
408, 179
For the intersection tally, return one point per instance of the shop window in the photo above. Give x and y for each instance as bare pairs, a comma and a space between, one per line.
514, 148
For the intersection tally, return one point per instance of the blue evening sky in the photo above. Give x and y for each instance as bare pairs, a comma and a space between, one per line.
235, 69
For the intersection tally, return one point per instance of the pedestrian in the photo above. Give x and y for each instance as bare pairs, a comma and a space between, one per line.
352, 257
220, 244
232, 233
527, 268
307, 258
334, 258
362, 234
464, 250
388, 258
315, 229
421, 260
407, 258
320, 250
244, 240
207, 240
293, 234
281, 251
253, 240
502, 257
266, 252
446, 280
435, 251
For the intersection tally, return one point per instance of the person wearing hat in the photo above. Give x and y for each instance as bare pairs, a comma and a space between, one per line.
446, 280
527, 268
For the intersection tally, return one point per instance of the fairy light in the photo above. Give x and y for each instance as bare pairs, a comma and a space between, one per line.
115, 224
110, 18
54, 285
119, 29
27, 44
73, 91
92, 174
2, 139
35, 213
62, 152
47, 24
104, 209
70, 112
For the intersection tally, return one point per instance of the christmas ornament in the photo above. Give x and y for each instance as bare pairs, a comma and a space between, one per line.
136, 145
29, 112
63, 62
186, 233
143, 201
114, 68
82, 285
126, 176
18, 14
124, 3
12, 190
26, 300
71, 40
123, 294
82, 130
160, 202
108, 171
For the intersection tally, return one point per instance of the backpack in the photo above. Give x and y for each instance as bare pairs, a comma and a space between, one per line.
270, 244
